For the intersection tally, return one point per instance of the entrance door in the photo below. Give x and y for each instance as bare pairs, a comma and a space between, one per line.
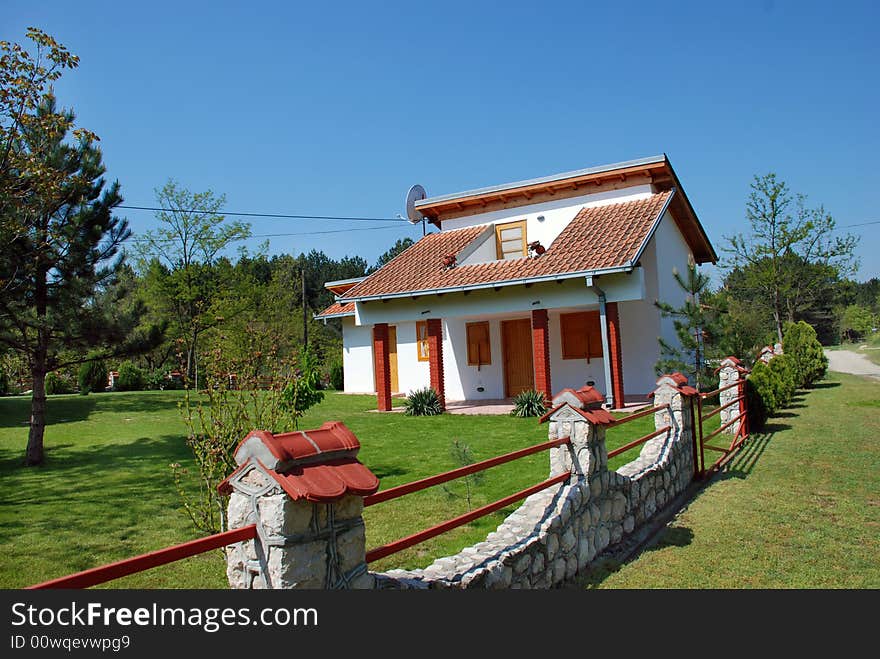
392, 358
516, 348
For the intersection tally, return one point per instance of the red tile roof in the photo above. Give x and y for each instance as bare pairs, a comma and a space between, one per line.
337, 309
599, 237
317, 465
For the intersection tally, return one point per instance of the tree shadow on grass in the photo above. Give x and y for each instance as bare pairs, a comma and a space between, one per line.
825, 385
16, 412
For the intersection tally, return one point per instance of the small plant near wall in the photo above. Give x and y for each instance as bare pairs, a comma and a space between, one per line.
462, 456
423, 402
529, 403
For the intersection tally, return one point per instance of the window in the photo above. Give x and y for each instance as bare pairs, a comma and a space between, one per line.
422, 340
478, 351
581, 335
510, 240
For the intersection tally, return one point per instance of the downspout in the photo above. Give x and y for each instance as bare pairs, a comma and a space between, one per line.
606, 351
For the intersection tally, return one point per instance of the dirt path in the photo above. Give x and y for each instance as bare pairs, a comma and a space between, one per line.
847, 361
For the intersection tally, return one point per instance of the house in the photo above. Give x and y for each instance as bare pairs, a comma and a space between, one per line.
541, 284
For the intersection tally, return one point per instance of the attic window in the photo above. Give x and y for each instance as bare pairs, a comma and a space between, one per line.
510, 240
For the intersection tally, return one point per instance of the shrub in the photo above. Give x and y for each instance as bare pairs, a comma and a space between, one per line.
55, 384
337, 377
4, 383
784, 380
770, 388
92, 376
757, 409
423, 402
155, 380
131, 378
529, 403
304, 390
808, 360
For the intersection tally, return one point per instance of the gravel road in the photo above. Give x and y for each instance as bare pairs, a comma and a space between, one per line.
847, 361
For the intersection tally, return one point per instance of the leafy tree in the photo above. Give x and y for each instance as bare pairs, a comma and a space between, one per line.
60, 250
399, 247
131, 378
92, 376
179, 257
855, 322
785, 236
696, 328
303, 391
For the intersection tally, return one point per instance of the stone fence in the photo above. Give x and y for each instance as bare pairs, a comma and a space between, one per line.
305, 492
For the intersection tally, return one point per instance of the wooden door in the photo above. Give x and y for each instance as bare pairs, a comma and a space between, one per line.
392, 357
516, 348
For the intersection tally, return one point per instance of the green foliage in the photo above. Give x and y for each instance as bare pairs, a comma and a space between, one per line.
462, 456
131, 378
769, 388
337, 376
57, 384
756, 388
856, 322
422, 402
304, 390
696, 328
808, 360
4, 383
783, 373
791, 259
220, 417
529, 403
92, 376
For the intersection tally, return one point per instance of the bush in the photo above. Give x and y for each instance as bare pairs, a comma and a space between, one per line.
529, 403
784, 380
155, 380
757, 409
131, 378
92, 376
770, 388
4, 383
423, 402
337, 377
808, 360
55, 384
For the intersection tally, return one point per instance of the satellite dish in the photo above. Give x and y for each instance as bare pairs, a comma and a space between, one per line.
416, 193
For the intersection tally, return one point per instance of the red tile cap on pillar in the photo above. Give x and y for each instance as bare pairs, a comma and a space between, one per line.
734, 362
679, 381
586, 397
317, 465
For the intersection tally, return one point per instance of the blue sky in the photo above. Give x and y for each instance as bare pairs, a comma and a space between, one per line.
337, 109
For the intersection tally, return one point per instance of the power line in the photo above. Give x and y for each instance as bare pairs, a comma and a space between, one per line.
276, 235
270, 215
860, 224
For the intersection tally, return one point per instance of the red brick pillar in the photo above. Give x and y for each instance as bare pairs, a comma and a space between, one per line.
616, 354
382, 366
435, 358
541, 352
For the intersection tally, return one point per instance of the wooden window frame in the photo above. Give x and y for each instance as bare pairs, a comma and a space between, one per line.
565, 323
423, 350
477, 362
510, 225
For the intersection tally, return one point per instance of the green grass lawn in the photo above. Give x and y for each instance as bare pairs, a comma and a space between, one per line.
106, 490
798, 508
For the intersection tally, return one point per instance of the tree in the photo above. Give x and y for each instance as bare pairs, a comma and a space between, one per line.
399, 247
791, 251
696, 327
180, 256
856, 322
61, 245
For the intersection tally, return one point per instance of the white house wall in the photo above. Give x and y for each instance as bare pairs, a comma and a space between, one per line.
411, 373
557, 214
357, 357
573, 373
672, 252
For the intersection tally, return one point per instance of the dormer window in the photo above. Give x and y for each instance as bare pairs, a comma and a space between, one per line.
510, 240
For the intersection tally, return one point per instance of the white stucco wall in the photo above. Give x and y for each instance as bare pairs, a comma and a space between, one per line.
672, 252
557, 214
411, 373
357, 357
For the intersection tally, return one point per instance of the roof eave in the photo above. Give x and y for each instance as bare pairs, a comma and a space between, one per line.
628, 267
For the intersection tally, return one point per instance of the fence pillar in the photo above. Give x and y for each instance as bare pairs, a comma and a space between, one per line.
673, 392
731, 372
304, 491
579, 416
766, 354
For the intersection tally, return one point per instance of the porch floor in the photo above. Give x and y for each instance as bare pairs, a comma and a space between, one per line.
505, 405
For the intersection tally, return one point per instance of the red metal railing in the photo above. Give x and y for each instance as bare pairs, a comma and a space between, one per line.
408, 488
153, 559
644, 438
740, 436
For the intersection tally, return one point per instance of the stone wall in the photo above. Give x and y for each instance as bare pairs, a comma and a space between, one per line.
558, 532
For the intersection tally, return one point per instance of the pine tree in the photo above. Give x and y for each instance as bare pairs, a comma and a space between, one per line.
696, 327
59, 258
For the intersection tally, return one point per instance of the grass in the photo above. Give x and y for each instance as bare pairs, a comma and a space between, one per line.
106, 490
799, 507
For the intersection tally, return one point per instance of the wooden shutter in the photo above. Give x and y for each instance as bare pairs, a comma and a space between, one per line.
479, 352
581, 335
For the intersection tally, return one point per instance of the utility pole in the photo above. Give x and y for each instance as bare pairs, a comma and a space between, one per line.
305, 308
